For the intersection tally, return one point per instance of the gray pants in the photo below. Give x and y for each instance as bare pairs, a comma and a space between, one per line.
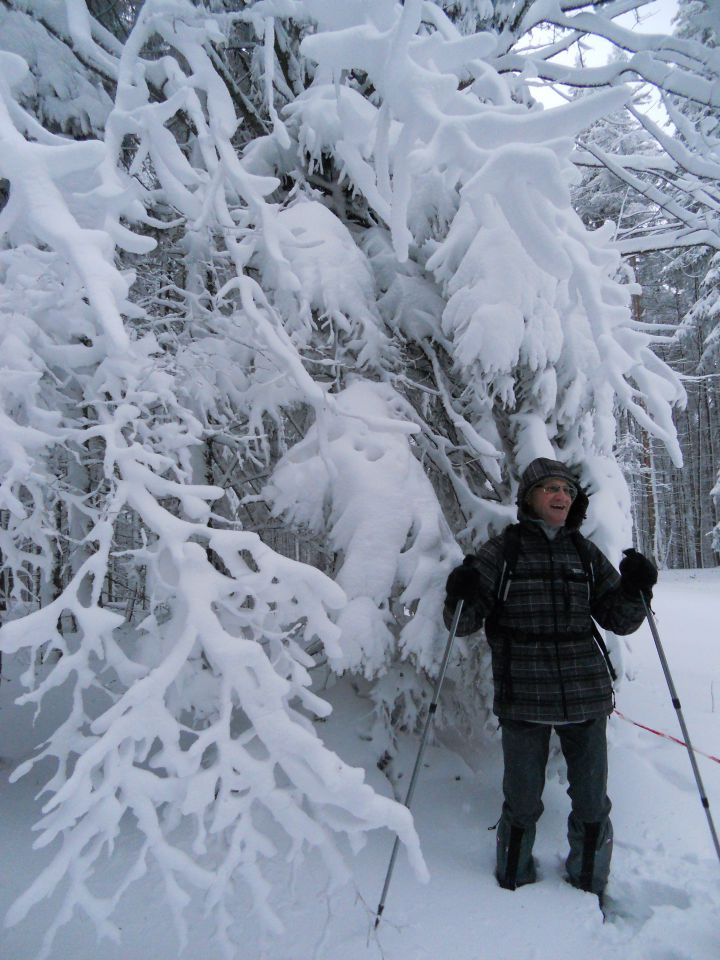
525, 752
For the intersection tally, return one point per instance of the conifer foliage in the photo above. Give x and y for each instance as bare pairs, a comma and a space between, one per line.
290, 293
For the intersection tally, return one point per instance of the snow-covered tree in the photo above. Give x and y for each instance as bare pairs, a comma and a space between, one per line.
698, 342
208, 722
668, 287
278, 266
670, 280
699, 20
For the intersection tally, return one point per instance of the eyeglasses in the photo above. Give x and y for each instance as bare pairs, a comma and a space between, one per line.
552, 488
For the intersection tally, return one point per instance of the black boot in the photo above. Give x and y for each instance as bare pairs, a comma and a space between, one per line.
515, 864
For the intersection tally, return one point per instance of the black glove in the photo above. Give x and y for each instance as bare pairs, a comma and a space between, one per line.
637, 574
464, 582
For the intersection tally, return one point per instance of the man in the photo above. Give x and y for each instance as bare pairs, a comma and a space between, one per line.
550, 668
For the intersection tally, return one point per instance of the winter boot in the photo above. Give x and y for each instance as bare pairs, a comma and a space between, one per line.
588, 863
515, 864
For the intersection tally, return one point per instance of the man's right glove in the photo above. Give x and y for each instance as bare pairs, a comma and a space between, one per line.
464, 582
637, 574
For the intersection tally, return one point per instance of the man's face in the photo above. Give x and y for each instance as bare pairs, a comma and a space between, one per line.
551, 500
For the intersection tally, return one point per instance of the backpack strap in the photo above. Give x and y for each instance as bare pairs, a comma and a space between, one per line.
511, 551
581, 545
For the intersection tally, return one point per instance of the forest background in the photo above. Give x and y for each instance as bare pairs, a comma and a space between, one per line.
292, 291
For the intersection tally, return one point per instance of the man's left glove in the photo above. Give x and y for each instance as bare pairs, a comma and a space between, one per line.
464, 582
637, 574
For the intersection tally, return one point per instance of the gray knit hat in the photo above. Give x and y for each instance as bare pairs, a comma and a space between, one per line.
542, 469
539, 470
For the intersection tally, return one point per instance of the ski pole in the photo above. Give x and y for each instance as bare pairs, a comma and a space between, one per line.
423, 740
681, 720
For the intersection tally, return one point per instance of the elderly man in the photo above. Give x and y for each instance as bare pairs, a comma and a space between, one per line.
537, 588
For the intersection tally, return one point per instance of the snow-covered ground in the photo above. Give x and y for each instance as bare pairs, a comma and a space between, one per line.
665, 882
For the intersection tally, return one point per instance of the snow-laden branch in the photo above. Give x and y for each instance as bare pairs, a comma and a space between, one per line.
384, 304
681, 70
71, 24
209, 723
685, 159
508, 162
697, 230
640, 66
371, 495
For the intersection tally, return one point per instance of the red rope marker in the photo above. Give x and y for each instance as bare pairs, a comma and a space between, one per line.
665, 736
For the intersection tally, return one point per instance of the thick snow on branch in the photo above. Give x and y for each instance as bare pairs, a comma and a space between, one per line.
355, 477
309, 283
526, 286
681, 69
201, 719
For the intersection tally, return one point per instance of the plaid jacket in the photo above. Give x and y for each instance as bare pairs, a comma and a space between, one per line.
546, 664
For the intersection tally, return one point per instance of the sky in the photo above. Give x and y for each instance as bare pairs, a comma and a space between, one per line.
657, 17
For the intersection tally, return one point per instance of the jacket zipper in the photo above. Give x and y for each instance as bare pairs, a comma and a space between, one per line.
555, 633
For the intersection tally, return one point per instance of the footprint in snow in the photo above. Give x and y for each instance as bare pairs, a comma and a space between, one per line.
636, 903
680, 780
